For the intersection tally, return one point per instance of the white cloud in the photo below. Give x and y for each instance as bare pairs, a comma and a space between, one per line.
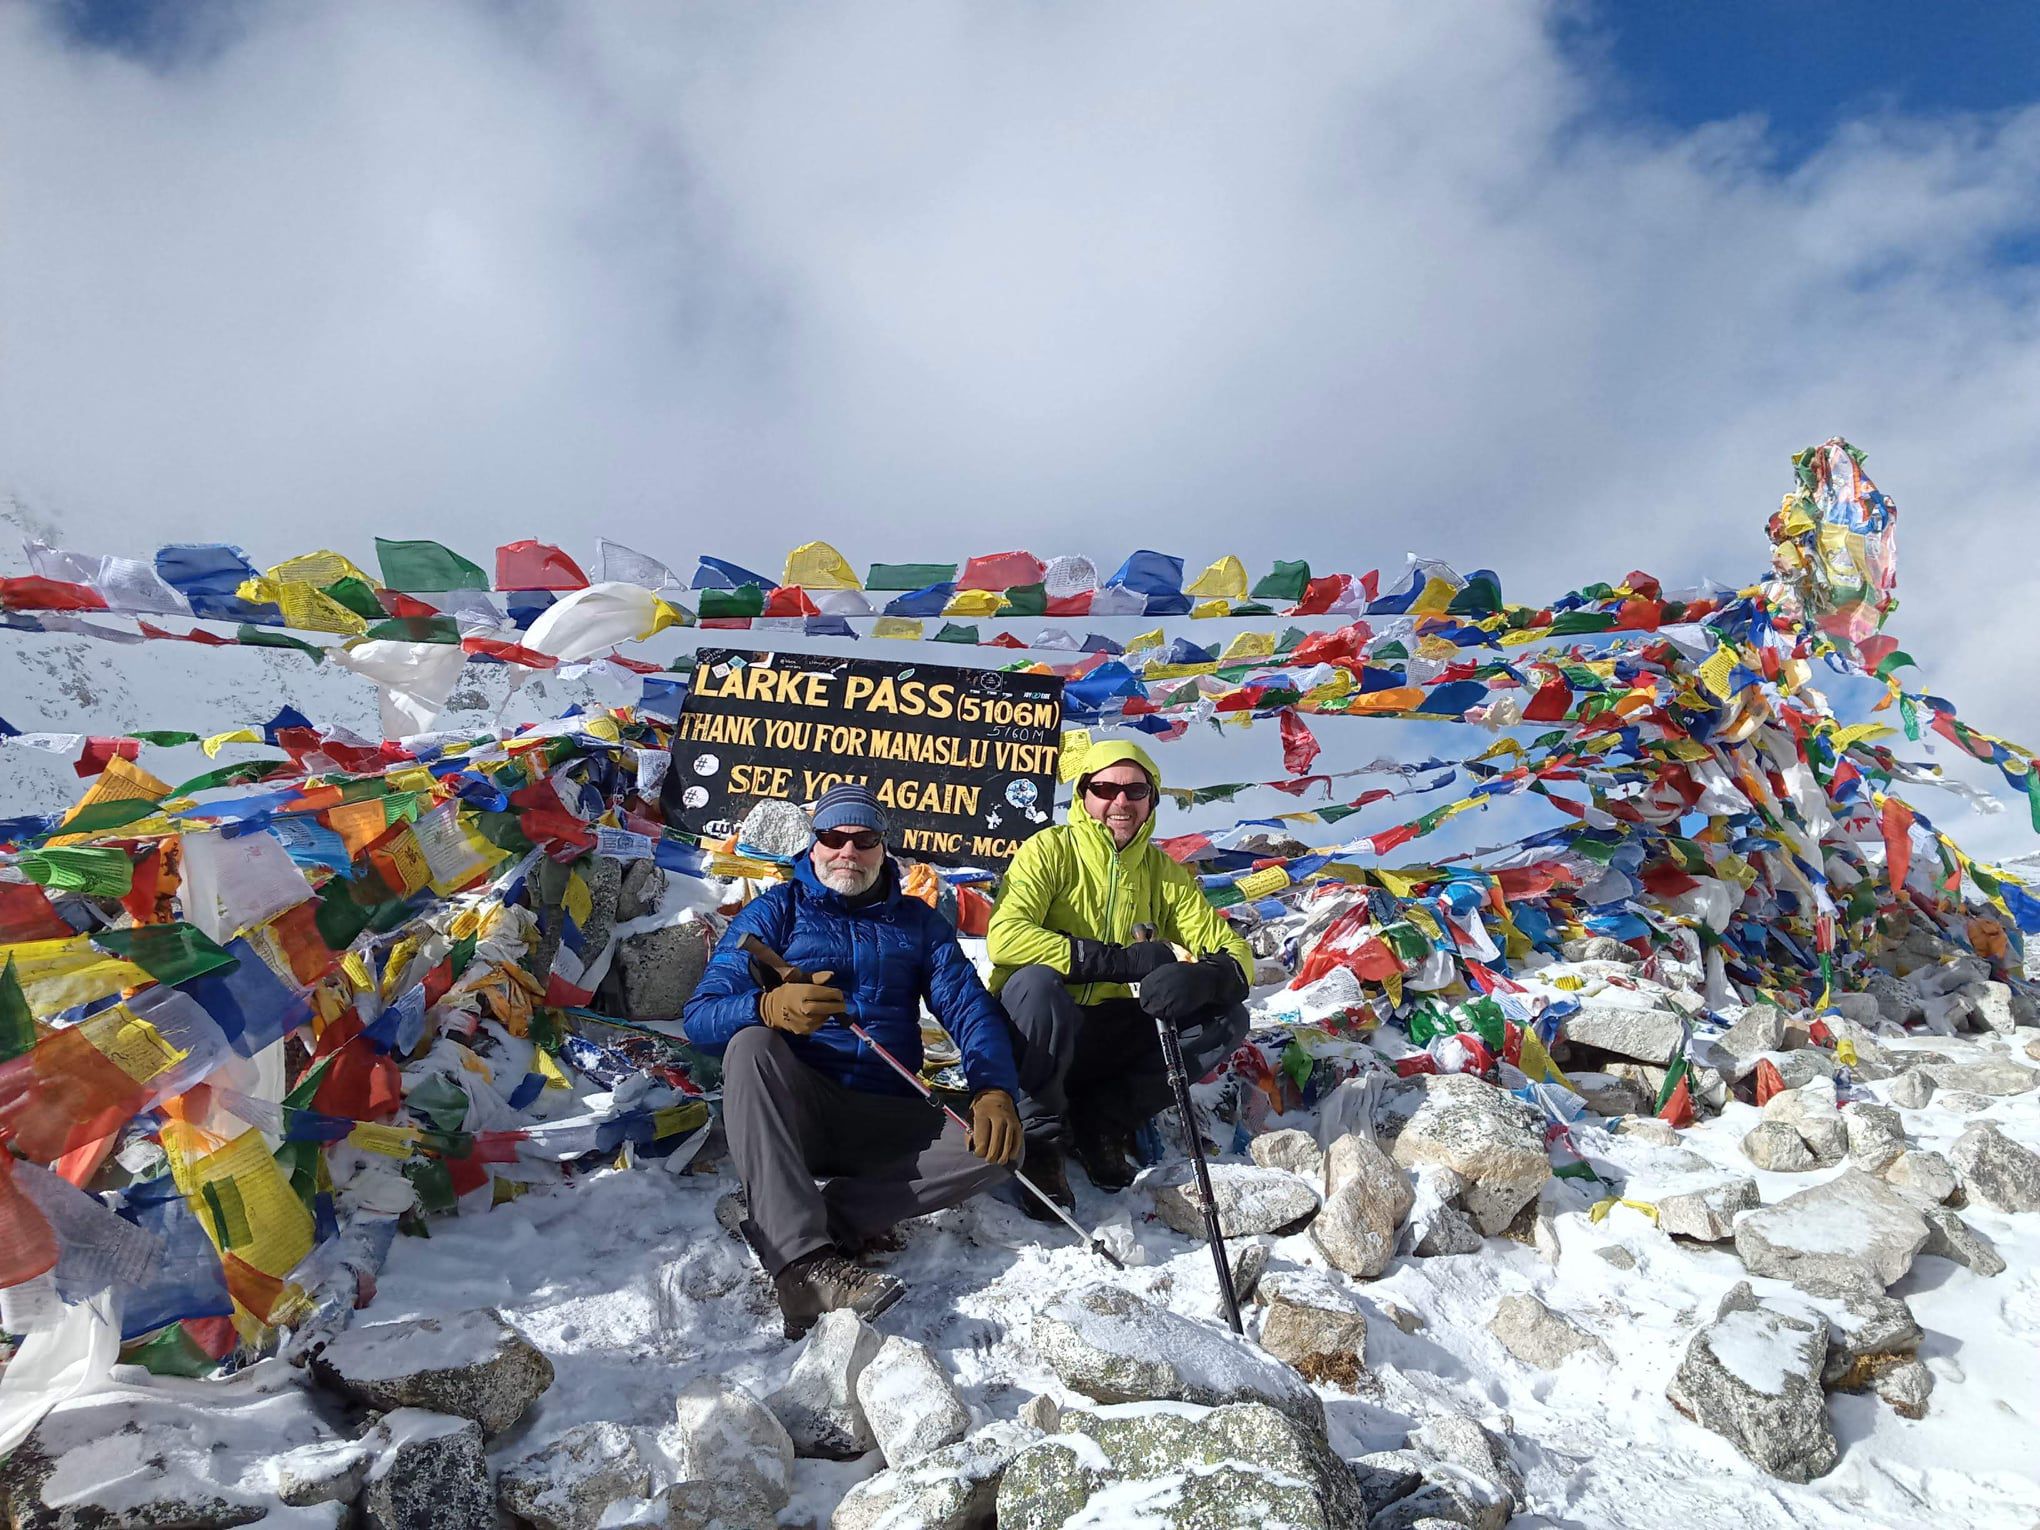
1335, 281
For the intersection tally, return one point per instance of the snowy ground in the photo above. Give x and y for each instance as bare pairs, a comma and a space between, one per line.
627, 1282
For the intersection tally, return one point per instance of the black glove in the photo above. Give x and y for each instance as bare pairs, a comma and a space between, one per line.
1099, 961
1182, 991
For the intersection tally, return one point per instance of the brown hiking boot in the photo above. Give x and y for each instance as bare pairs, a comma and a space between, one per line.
1106, 1152
1043, 1163
825, 1281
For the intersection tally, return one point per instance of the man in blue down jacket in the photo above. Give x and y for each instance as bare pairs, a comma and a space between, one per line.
804, 1097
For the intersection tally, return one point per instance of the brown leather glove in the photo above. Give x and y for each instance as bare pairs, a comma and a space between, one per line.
801, 1007
994, 1127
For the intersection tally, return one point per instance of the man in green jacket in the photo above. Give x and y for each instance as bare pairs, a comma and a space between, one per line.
1064, 950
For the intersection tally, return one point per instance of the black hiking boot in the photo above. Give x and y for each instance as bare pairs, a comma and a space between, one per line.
1106, 1152
825, 1281
1043, 1163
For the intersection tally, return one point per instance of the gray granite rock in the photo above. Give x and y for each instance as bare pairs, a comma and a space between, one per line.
1760, 1029
429, 1474
470, 1364
1325, 1345
953, 1488
1251, 1200
1708, 1212
1778, 1147
1541, 1338
1906, 1388
2001, 1173
1923, 1173
728, 1437
1239, 1465
1296, 1151
818, 1405
1490, 1139
1952, 1238
1753, 1377
1639, 1034
1852, 1230
1356, 1228
566, 1484
1998, 1078
910, 1402
1110, 1345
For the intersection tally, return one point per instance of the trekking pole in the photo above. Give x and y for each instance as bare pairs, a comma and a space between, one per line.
752, 946
1179, 1080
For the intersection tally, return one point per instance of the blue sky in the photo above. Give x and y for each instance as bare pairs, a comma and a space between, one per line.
1806, 66
1555, 290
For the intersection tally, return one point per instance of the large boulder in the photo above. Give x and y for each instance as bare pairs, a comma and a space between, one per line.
1367, 1200
729, 1438
126, 1454
818, 1405
910, 1402
1854, 1230
1869, 1333
1492, 1140
1952, 1238
1468, 1479
1761, 1028
470, 1364
1923, 1174
1296, 1151
1876, 1135
567, 1484
1244, 1464
1326, 1345
429, 1474
1811, 1112
1753, 1376
954, 1488
1998, 1077
1250, 1200
1911, 1089
1778, 1147
1539, 1337
1704, 1207
1996, 1170
1990, 1005
1640, 1032
1113, 1347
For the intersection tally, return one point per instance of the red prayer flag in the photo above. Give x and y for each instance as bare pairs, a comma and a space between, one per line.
1299, 746
26, 914
32, 592
1769, 1080
1001, 571
1679, 1108
531, 565
1895, 820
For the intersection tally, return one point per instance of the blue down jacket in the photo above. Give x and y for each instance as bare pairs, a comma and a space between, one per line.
887, 956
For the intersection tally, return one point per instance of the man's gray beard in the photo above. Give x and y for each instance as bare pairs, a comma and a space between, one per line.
852, 881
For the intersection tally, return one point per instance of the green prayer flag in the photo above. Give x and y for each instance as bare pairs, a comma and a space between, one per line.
165, 738
98, 817
416, 629
426, 567
170, 1351
95, 870
429, 1177
1285, 582
745, 600
169, 953
17, 1020
952, 633
228, 775
261, 637
1025, 600
1911, 717
909, 576
1480, 597
357, 596
340, 917
439, 1102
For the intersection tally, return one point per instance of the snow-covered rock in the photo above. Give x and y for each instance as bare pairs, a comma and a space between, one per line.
1906, 1388
910, 1402
1493, 1141
1539, 1337
1368, 1198
700, 1505
1851, 1230
1326, 1345
1469, 1479
1761, 1028
1869, 1332
1952, 1238
1990, 1005
1995, 1077
1996, 1170
1811, 1112
1778, 1147
1250, 1200
1753, 1377
1705, 1211
818, 1405
567, 1484
1112, 1346
954, 1488
469, 1364
1911, 1089
429, 1474
1642, 1034
1447, 1231
1296, 1151
1923, 1173
1876, 1135
1244, 1464
727, 1436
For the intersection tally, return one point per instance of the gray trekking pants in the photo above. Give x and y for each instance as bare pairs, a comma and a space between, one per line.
884, 1157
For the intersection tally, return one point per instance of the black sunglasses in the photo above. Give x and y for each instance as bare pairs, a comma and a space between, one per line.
862, 839
1132, 791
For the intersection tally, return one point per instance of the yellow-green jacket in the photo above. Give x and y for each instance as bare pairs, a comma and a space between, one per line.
1068, 880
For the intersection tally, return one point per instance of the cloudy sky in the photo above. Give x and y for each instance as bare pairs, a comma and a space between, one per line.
1555, 289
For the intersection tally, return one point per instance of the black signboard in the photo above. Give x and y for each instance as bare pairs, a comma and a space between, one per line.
963, 759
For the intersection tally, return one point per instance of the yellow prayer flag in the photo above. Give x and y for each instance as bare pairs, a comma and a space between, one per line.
898, 627
1204, 610
1437, 595
818, 566
1262, 883
1248, 645
577, 900
1224, 580
320, 568
974, 603
1144, 640
1076, 743
389, 1141
311, 609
